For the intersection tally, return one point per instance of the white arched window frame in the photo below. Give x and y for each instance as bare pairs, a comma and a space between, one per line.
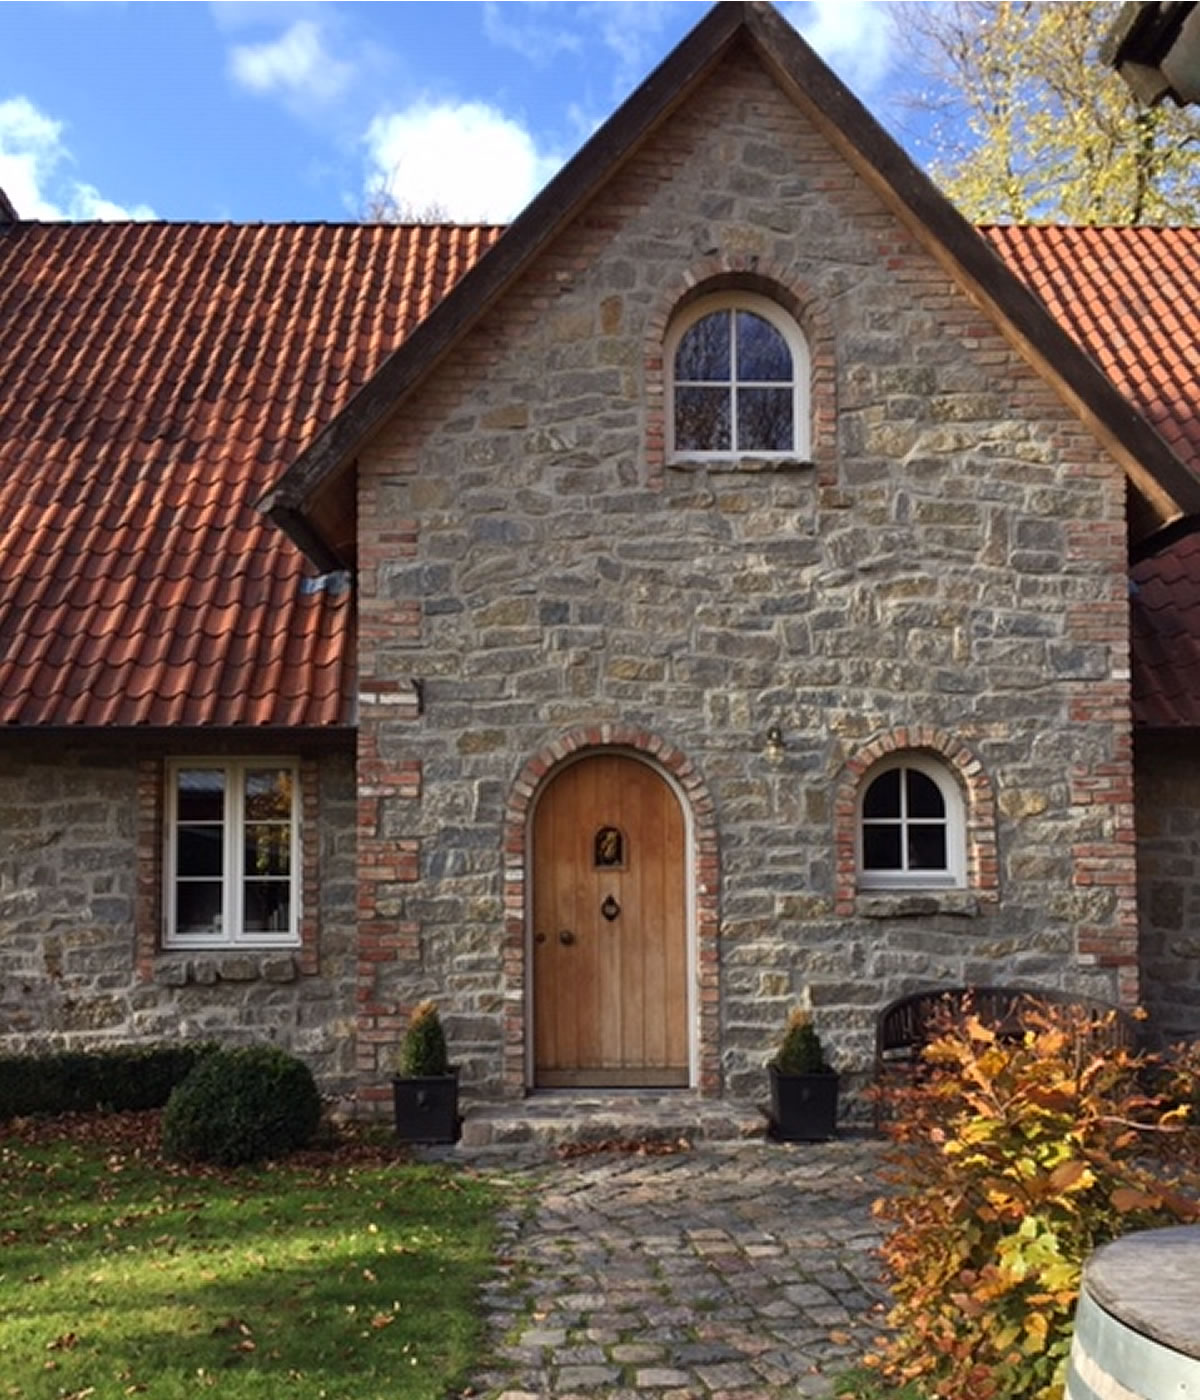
911, 826
731, 377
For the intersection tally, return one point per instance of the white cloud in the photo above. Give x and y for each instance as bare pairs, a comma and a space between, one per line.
297, 65
33, 155
466, 161
630, 29
522, 31
853, 36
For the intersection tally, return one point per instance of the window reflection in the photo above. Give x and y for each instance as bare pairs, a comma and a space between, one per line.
734, 386
904, 823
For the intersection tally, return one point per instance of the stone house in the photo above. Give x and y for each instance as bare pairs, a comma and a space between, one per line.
713, 590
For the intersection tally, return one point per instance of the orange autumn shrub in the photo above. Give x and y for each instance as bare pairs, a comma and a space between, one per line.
1016, 1156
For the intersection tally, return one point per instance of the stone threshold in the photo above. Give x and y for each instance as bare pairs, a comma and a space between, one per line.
559, 1117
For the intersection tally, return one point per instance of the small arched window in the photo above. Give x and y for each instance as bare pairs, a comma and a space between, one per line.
911, 832
738, 375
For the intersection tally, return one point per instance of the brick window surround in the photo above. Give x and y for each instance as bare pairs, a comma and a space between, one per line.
148, 907
727, 273
982, 865
705, 877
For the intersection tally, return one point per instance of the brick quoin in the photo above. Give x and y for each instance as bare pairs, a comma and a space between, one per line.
385, 863
705, 877
147, 920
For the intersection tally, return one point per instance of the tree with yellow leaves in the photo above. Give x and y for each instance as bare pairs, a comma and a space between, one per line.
1029, 126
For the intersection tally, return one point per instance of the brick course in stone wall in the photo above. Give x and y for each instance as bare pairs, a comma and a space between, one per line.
80, 910
954, 560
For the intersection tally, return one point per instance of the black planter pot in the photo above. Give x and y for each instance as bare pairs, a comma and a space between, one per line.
803, 1106
426, 1108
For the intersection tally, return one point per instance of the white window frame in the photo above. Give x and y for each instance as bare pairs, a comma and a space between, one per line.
231, 934
954, 876
772, 312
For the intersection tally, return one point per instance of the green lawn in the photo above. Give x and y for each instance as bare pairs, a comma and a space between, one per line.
346, 1275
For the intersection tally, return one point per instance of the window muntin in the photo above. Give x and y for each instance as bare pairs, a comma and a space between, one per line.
910, 826
232, 853
738, 370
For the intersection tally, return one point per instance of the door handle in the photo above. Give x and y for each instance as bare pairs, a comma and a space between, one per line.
566, 937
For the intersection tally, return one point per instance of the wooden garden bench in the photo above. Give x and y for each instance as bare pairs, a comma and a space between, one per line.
907, 1025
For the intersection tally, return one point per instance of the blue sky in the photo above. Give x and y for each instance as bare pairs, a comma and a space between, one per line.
264, 111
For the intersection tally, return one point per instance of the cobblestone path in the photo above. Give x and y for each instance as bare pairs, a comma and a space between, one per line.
740, 1272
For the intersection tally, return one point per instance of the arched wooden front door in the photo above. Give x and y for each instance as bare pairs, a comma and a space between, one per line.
609, 928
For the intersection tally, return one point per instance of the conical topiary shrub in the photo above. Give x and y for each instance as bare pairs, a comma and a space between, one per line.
425, 1089
423, 1051
801, 1051
804, 1085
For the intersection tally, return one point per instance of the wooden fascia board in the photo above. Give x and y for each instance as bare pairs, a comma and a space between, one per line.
516, 249
303, 534
1169, 490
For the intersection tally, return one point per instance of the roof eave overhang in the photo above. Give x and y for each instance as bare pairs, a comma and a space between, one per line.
1155, 47
1164, 490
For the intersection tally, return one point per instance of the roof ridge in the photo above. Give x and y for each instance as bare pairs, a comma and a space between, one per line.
993, 225
251, 223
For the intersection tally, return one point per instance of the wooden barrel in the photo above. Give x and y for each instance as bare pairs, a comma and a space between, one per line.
1137, 1326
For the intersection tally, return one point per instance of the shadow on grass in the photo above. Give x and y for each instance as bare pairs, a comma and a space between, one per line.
347, 1282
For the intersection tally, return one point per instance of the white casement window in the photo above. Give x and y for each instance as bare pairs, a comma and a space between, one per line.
232, 853
911, 832
738, 380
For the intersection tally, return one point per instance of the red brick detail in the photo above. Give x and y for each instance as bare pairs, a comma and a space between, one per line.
386, 865
706, 880
983, 867
147, 912
1107, 859
309, 958
384, 777
779, 284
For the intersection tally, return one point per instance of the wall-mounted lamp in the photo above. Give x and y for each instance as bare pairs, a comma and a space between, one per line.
775, 744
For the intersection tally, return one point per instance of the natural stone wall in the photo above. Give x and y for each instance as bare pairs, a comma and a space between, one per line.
69, 973
953, 560
1168, 854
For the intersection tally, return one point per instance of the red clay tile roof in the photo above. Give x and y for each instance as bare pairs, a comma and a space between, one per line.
1165, 619
1129, 296
155, 379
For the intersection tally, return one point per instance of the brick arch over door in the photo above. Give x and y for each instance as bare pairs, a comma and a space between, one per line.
723, 273
983, 875
704, 876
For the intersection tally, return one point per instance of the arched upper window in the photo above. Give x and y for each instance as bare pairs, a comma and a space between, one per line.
738, 372
911, 833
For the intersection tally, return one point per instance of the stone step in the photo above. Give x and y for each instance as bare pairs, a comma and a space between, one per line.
556, 1118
